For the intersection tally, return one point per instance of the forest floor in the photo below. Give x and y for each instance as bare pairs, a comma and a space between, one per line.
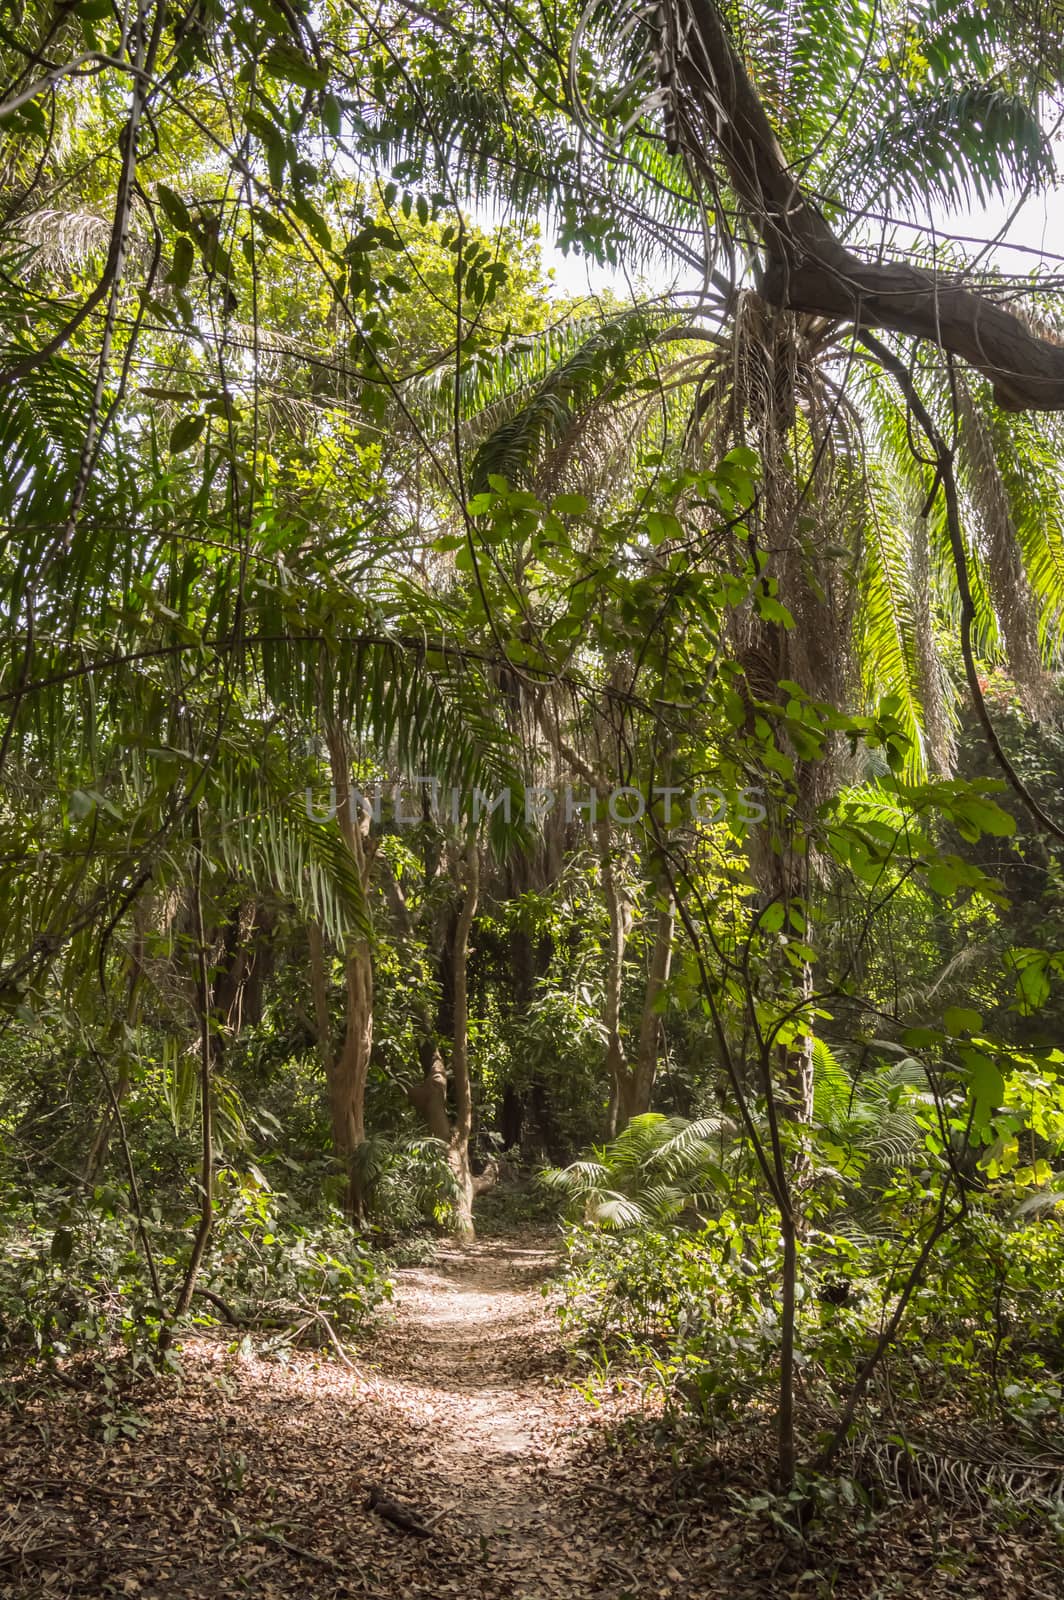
250, 1478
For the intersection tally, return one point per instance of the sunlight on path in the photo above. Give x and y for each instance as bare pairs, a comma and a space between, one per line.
473, 1357
249, 1479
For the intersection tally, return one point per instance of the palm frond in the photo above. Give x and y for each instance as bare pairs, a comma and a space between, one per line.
961, 148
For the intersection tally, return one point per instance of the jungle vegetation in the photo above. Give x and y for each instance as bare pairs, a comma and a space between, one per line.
456, 733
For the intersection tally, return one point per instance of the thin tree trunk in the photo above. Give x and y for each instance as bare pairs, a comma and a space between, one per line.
637, 1090
203, 1004
788, 1315
101, 1143
351, 1072
620, 921
319, 993
430, 1094
131, 1174
348, 1069
797, 1073
97, 1156
463, 1092
794, 1172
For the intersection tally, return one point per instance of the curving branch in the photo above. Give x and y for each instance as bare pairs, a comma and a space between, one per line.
717, 107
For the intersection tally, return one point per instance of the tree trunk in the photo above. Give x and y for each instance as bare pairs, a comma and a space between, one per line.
808, 268
788, 1320
512, 1116
347, 1067
619, 912
463, 1092
97, 1156
430, 1095
203, 1008
797, 1074
239, 949
637, 1085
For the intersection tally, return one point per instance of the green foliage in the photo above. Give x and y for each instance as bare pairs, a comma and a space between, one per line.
677, 1312
406, 1182
278, 1265
302, 470
693, 1315
74, 1284
657, 1168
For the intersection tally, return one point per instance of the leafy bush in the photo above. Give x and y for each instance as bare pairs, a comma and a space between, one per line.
74, 1280
694, 1314
276, 1265
406, 1182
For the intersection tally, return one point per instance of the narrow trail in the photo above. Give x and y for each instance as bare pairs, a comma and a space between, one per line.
249, 1479
473, 1359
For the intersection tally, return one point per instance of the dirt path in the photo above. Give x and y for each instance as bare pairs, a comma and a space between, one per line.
251, 1478
473, 1360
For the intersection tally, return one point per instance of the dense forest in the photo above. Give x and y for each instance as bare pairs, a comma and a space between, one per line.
512, 787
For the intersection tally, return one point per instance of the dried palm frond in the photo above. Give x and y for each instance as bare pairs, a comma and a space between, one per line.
62, 241
969, 1468
1014, 603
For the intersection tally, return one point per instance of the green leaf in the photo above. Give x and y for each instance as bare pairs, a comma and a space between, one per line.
570, 505
62, 1247
1032, 982
961, 1019
174, 208
734, 708
744, 457
184, 256
270, 225
770, 609
286, 62
662, 525
920, 1038
312, 217
986, 1086
186, 431
330, 114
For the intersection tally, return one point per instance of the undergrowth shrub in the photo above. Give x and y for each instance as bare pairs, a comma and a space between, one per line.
74, 1281
694, 1315
276, 1264
685, 1312
406, 1182
674, 1278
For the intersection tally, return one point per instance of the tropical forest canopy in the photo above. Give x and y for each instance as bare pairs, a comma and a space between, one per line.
459, 734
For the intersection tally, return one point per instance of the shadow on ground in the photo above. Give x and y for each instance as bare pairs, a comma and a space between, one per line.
250, 1479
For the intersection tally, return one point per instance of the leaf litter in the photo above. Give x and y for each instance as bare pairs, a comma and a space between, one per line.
254, 1475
